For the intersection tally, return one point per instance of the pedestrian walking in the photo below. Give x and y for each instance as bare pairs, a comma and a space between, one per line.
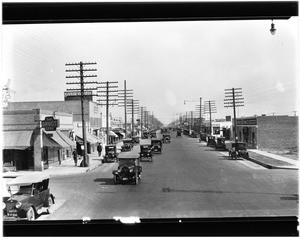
99, 149
75, 156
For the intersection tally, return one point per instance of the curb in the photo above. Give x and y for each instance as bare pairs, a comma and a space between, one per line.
273, 167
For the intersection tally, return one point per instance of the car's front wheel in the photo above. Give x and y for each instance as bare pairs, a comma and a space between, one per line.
50, 205
30, 214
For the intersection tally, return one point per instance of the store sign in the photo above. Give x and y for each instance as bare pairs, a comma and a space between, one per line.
252, 121
50, 124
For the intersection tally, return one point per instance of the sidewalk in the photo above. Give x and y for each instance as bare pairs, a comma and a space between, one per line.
68, 166
272, 161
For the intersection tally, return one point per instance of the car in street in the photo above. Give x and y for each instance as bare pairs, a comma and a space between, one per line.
33, 194
129, 169
135, 140
166, 138
127, 144
179, 132
239, 149
211, 140
220, 145
110, 153
146, 152
156, 144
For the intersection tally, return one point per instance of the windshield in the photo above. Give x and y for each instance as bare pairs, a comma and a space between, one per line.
189, 77
23, 190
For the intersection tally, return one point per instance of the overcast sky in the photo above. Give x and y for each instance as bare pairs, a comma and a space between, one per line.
164, 63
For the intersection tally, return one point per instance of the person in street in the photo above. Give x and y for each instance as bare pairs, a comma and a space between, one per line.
99, 149
75, 157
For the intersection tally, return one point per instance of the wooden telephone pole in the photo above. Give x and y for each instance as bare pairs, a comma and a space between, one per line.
107, 98
82, 90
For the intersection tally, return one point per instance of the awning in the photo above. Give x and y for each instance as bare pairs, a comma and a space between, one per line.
111, 133
66, 138
60, 138
89, 137
49, 142
18, 140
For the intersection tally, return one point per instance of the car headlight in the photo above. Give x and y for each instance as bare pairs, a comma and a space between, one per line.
18, 205
119, 170
131, 170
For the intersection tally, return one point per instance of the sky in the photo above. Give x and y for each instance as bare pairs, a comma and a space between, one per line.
164, 63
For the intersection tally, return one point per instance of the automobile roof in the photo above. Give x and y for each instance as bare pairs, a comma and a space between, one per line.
155, 139
29, 179
127, 139
128, 155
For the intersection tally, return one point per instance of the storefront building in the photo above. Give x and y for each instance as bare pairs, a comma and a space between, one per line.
35, 139
92, 115
271, 132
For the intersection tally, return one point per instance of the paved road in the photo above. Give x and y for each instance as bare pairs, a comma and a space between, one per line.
188, 179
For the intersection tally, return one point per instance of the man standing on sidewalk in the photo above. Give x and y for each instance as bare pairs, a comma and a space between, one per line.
99, 149
75, 156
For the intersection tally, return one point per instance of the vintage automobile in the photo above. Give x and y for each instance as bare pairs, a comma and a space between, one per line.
32, 194
239, 149
193, 134
166, 138
211, 140
146, 151
156, 144
203, 137
136, 140
152, 134
110, 153
127, 144
129, 169
179, 132
220, 145
145, 135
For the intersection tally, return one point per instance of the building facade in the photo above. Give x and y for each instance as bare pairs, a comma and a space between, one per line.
271, 132
29, 146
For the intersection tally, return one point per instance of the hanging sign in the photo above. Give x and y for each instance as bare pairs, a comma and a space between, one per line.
50, 124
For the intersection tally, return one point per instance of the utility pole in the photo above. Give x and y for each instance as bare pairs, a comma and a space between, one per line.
122, 102
235, 100
82, 90
134, 109
141, 119
108, 98
210, 107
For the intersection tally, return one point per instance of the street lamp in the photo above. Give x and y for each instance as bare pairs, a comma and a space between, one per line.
272, 30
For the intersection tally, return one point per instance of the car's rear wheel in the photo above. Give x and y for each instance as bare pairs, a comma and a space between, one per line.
30, 214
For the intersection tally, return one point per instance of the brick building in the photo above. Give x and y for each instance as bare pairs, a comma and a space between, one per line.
272, 132
28, 146
92, 114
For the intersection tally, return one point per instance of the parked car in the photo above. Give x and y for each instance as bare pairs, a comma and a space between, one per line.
220, 145
203, 137
129, 169
146, 151
239, 149
179, 132
152, 134
110, 153
33, 194
193, 134
127, 144
211, 140
166, 138
135, 140
156, 145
